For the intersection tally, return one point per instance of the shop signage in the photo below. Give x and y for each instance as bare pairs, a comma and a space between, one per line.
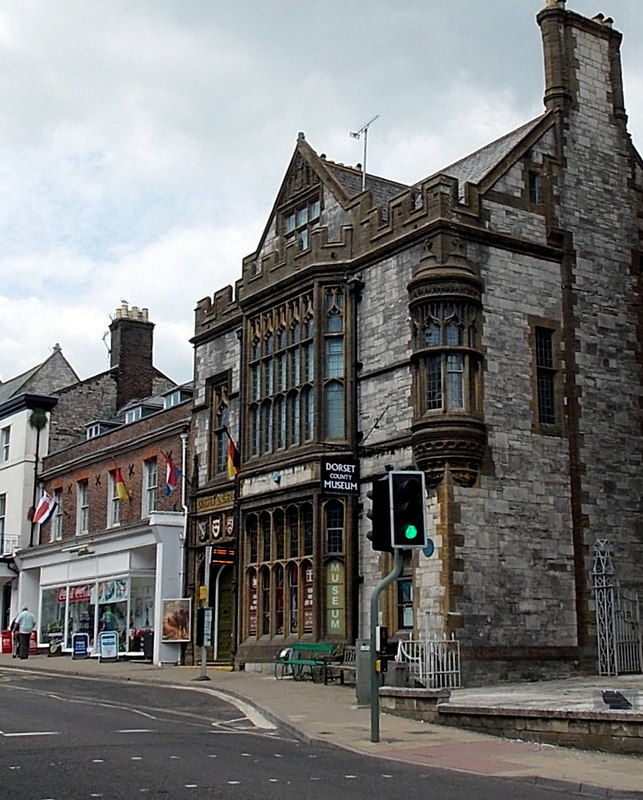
80, 645
77, 594
335, 598
222, 555
213, 502
339, 475
108, 646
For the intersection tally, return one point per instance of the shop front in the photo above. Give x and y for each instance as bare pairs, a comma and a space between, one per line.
124, 604
115, 581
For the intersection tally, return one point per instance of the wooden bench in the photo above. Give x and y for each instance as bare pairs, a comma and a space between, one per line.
344, 667
306, 658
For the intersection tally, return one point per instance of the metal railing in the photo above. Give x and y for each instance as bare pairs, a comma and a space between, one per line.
434, 664
9, 544
619, 632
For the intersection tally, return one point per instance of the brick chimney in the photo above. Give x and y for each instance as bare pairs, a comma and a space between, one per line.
131, 353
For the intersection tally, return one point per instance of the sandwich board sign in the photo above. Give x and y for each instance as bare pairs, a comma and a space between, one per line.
108, 646
80, 645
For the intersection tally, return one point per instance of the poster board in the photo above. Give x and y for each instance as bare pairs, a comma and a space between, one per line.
176, 619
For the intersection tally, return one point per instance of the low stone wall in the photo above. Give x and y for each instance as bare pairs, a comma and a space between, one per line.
607, 731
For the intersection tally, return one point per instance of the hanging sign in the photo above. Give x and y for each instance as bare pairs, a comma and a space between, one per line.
339, 475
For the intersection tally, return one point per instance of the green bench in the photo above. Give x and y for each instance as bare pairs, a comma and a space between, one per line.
312, 659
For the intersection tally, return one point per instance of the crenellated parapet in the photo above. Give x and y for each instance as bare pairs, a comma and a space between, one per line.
221, 309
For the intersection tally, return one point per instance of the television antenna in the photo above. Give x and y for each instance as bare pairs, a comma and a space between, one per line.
358, 135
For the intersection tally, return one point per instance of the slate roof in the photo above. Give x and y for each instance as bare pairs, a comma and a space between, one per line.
12, 387
350, 179
474, 167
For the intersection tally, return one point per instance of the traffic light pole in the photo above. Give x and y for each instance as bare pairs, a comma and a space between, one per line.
375, 695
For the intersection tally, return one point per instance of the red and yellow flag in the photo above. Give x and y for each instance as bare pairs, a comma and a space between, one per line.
120, 490
233, 462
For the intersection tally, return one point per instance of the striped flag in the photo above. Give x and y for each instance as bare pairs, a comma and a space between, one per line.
172, 474
233, 461
120, 490
45, 508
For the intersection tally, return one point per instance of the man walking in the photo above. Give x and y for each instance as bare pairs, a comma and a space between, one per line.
25, 622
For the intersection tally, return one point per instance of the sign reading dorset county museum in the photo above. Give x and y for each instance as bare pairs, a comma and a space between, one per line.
339, 475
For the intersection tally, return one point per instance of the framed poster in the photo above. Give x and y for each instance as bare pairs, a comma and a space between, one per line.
176, 619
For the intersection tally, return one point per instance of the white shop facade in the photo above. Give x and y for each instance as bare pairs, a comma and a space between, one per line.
117, 580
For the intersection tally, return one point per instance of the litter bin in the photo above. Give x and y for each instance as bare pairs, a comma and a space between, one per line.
148, 645
7, 638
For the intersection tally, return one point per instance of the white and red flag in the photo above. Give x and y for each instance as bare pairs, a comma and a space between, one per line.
45, 508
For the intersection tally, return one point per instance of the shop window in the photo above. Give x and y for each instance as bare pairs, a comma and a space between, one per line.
113, 597
265, 601
293, 595
279, 600
82, 507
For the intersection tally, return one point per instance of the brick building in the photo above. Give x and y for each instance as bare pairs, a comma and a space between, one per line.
109, 552
482, 325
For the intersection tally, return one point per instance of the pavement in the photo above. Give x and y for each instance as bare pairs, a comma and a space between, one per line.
315, 712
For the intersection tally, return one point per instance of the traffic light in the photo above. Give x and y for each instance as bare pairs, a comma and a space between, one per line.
380, 513
408, 501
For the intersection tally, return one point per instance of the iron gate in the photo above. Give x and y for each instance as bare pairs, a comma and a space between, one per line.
618, 618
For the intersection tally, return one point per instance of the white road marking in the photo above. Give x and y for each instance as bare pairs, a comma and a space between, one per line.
136, 730
32, 733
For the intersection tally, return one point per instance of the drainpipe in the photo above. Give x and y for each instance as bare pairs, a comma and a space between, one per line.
355, 286
184, 534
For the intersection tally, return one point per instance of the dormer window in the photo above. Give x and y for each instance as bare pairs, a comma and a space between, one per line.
175, 398
133, 414
300, 220
93, 431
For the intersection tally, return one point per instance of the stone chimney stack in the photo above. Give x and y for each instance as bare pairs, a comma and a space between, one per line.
131, 353
582, 60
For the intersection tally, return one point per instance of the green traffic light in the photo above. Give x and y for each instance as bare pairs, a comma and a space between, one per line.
410, 532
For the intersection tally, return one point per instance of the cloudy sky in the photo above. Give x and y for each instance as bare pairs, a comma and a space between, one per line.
143, 141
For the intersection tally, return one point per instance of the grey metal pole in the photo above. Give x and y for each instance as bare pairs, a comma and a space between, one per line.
206, 580
375, 695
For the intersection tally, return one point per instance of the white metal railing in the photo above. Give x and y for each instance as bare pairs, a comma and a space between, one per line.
10, 543
432, 663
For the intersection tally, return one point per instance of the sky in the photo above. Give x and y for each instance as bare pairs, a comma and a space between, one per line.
143, 142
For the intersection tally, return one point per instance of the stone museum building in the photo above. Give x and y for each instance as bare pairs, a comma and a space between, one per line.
482, 325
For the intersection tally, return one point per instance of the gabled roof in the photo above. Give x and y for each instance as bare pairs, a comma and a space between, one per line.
350, 178
50, 376
474, 167
13, 386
